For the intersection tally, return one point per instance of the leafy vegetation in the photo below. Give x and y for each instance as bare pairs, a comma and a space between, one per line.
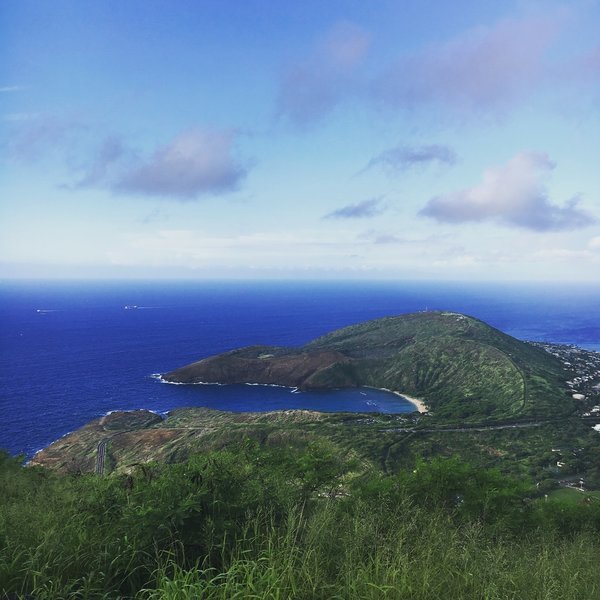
292, 521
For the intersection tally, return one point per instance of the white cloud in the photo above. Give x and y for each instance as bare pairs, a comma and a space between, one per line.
196, 162
481, 69
512, 194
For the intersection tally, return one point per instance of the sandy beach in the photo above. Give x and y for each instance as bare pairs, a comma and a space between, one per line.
421, 407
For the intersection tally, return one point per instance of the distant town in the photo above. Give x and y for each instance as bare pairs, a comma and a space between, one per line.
585, 367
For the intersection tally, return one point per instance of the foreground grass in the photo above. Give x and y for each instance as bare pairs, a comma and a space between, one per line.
256, 523
424, 559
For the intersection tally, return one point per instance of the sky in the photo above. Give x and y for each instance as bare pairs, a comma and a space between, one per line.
266, 139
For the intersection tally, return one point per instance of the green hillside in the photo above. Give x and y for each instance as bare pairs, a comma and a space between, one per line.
460, 366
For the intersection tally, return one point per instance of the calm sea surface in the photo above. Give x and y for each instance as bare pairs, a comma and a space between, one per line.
70, 351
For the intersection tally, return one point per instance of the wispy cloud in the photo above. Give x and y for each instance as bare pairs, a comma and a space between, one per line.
361, 210
19, 117
381, 237
388, 238
107, 157
196, 162
589, 63
9, 89
482, 71
312, 87
513, 194
581, 74
35, 136
485, 68
401, 158
594, 244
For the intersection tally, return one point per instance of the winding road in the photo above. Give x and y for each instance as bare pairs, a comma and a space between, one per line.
100, 456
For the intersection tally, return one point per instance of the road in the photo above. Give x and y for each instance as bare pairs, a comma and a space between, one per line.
475, 427
466, 429
100, 456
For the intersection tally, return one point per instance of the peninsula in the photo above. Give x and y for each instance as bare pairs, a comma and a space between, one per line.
458, 365
492, 400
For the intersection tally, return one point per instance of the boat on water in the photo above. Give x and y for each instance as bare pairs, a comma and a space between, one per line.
130, 306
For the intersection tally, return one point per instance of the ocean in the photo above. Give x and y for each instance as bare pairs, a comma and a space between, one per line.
70, 351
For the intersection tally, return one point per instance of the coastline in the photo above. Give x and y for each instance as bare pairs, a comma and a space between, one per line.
420, 405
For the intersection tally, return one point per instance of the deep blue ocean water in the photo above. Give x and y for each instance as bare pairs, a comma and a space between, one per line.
71, 352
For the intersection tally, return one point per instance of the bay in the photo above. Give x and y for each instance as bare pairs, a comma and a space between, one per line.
71, 351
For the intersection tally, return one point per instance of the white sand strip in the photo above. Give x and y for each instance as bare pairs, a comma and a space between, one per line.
421, 407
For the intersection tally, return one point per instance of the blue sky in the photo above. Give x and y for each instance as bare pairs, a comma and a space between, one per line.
342, 139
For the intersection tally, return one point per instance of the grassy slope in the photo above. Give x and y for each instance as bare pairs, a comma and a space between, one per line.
379, 442
258, 523
459, 365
